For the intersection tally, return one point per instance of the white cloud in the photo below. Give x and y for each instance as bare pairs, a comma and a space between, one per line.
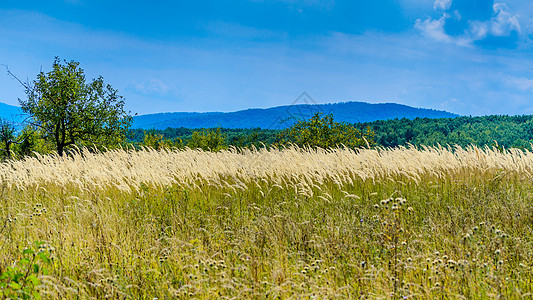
152, 86
433, 28
442, 4
503, 23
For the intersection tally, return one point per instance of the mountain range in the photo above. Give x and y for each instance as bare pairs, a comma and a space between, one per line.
278, 117
284, 116
11, 113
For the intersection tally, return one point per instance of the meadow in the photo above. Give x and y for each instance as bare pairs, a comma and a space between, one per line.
422, 223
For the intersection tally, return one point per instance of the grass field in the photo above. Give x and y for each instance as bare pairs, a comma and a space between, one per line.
382, 223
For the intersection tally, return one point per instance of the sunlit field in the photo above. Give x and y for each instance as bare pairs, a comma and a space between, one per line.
281, 223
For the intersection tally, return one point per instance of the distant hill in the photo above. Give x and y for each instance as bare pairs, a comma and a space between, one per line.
11, 113
283, 116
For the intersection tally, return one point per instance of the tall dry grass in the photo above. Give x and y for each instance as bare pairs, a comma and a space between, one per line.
127, 169
275, 223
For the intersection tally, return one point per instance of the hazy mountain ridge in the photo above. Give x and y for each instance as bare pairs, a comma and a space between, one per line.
283, 116
269, 118
11, 113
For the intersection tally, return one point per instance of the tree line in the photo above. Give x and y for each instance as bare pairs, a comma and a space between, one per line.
492, 131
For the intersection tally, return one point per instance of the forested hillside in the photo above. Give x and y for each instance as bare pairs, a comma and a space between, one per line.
505, 131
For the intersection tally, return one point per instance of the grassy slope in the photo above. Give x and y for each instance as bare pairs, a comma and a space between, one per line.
279, 223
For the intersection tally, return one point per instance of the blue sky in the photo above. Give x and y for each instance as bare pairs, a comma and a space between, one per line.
472, 57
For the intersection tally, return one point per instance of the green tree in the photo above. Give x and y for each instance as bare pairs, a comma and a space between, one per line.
157, 141
71, 111
322, 131
208, 139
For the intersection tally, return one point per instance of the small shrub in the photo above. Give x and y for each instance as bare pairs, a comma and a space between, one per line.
20, 280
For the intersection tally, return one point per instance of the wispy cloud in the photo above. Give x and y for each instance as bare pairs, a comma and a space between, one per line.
152, 86
522, 83
434, 29
502, 24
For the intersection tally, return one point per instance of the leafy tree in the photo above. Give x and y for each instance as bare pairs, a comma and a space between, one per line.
157, 141
31, 140
7, 137
70, 111
208, 139
322, 131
